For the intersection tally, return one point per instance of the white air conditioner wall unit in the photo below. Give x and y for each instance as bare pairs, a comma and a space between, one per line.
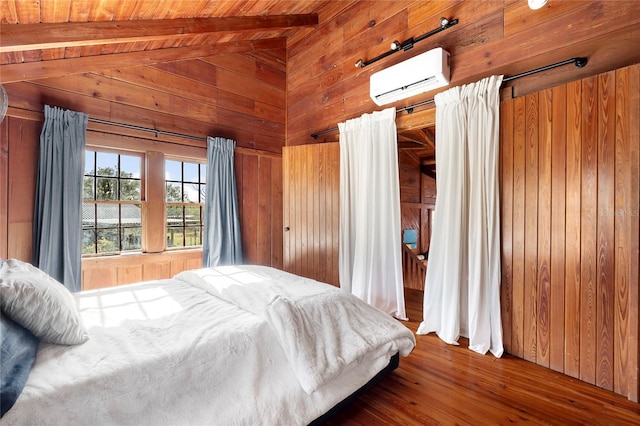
422, 73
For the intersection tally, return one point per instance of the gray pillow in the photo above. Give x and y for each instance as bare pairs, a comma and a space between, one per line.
40, 304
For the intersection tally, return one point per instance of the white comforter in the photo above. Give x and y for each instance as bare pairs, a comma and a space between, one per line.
321, 329
169, 352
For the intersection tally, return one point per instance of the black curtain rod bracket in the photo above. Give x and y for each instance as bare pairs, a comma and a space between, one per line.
579, 62
396, 46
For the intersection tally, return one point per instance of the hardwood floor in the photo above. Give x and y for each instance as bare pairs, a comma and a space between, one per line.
444, 384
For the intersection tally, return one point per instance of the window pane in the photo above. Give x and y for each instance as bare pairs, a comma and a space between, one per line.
203, 173
88, 215
113, 227
192, 215
191, 172
89, 166
192, 236
173, 192
129, 166
174, 216
106, 189
107, 164
203, 193
88, 193
108, 215
191, 194
131, 238
129, 189
172, 170
175, 237
88, 241
108, 240
131, 215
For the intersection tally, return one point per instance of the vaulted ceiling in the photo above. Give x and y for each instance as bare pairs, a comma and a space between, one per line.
53, 38
52, 30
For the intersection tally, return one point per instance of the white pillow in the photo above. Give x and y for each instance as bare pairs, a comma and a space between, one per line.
40, 304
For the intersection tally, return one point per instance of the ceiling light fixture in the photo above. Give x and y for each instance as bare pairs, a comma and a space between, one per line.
537, 4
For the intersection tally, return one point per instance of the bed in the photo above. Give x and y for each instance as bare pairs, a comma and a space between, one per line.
232, 345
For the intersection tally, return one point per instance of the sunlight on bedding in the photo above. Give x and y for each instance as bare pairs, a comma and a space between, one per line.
226, 276
137, 303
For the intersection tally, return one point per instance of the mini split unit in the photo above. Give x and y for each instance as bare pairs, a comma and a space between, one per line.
424, 72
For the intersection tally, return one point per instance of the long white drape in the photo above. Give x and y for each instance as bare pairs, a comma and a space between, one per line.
462, 288
370, 259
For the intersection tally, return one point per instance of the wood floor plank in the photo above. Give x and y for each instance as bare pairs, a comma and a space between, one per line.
440, 384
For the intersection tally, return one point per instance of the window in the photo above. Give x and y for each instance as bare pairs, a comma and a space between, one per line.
185, 189
112, 207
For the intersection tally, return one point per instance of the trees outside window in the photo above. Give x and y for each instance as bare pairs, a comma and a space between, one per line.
185, 190
112, 207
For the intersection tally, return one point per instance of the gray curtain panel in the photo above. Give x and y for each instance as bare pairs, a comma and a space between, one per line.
57, 222
221, 243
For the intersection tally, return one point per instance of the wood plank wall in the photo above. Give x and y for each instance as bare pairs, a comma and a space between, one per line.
17, 186
552, 284
312, 208
260, 208
417, 200
239, 96
569, 191
492, 37
312, 211
259, 186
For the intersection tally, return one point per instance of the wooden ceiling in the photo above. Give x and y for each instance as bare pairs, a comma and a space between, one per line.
39, 38
45, 39
31, 30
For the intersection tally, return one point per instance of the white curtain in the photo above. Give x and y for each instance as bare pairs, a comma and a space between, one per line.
462, 289
370, 262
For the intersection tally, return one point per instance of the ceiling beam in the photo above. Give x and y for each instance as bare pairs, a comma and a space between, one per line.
21, 37
27, 71
429, 136
429, 170
410, 145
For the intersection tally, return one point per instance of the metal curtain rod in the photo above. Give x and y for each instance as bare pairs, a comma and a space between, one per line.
146, 129
579, 62
396, 46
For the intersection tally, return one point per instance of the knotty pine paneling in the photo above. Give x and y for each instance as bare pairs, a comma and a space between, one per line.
569, 191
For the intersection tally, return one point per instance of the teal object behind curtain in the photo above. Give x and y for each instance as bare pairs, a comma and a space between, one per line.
221, 242
57, 221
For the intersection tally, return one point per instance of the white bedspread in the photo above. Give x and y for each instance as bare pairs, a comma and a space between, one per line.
170, 353
321, 329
